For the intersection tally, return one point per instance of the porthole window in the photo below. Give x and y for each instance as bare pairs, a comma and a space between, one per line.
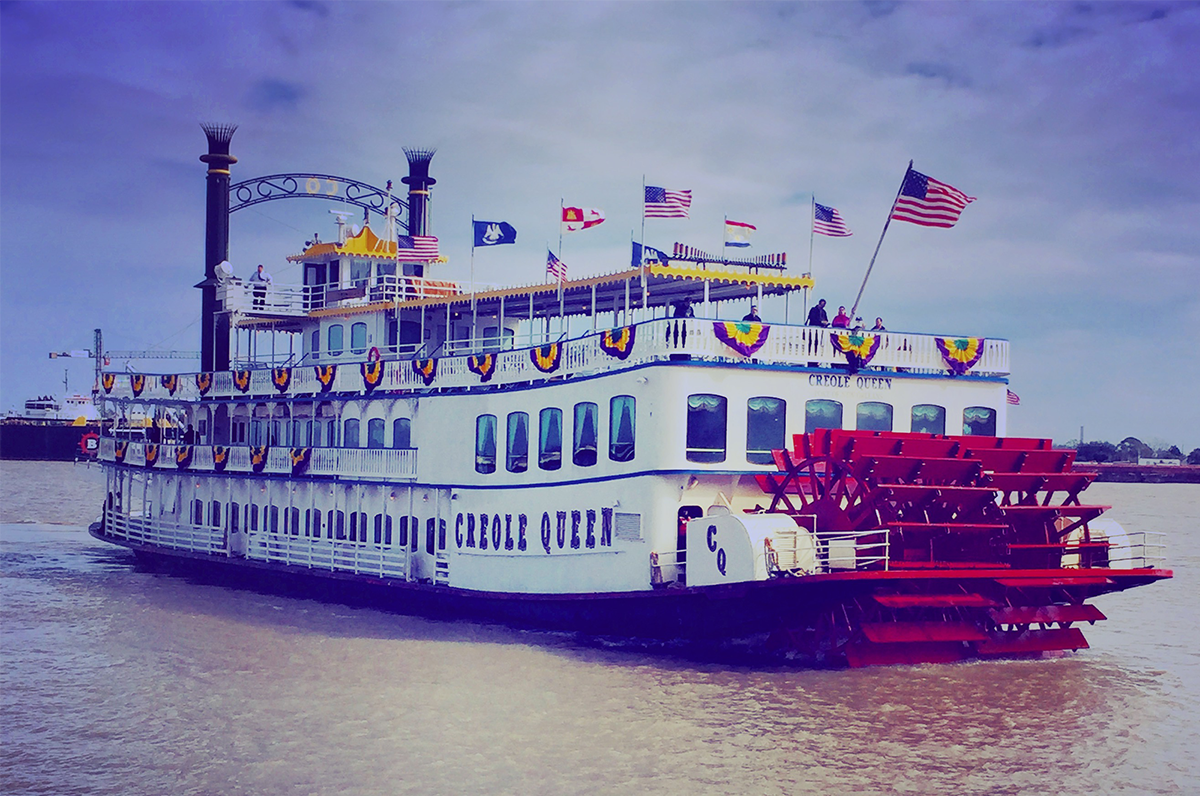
622, 428
979, 421
764, 428
375, 432
550, 439
822, 413
350, 435
706, 423
517, 448
485, 444
358, 338
873, 416
335, 339
587, 416
929, 419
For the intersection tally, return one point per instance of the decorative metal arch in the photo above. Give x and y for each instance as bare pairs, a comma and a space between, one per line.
314, 186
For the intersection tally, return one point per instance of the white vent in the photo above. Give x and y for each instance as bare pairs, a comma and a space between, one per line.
627, 527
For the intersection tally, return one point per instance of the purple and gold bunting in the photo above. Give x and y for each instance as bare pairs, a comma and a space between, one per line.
220, 458
281, 378
484, 365
258, 457
325, 376
426, 369
204, 383
151, 454
241, 380
119, 450
170, 383
372, 374
108, 381
858, 347
547, 358
137, 383
183, 456
960, 353
617, 342
300, 460
743, 337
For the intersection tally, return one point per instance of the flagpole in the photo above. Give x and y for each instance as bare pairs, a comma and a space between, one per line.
858, 298
642, 264
561, 204
725, 238
472, 262
812, 224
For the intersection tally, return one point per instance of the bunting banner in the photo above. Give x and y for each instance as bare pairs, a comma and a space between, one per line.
220, 458
137, 383
108, 380
119, 451
183, 456
170, 383
300, 459
859, 348
546, 358
426, 369
617, 342
281, 378
258, 457
743, 337
372, 374
151, 454
204, 383
325, 374
484, 365
241, 380
960, 353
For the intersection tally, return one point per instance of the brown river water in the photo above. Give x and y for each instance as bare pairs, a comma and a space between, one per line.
114, 680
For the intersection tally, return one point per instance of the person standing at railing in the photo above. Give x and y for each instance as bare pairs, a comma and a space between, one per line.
817, 316
841, 320
260, 279
878, 327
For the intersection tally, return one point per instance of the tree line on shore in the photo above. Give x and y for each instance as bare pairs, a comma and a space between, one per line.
1130, 449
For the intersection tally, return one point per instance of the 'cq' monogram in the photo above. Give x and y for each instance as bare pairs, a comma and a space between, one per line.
712, 548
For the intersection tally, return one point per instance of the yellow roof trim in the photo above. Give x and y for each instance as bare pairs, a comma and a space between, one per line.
364, 244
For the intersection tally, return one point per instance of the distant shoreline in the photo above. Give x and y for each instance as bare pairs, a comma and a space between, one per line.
1126, 473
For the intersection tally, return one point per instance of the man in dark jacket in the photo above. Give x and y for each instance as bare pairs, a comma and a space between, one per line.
817, 316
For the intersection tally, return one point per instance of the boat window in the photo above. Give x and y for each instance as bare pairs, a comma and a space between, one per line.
197, 512
496, 338
337, 524
378, 529
441, 534
485, 444
387, 530
402, 433
764, 428
273, 513
587, 416
822, 413
214, 514
706, 422
517, 449
350, 438
622, 425
251, 517
874, 416
929, 419
979, 420
375, 432
360, 272
353, 527
402, 533
358, 338
385, 269
335, 268
550, 439
429, 536
294, 514
312, 523
233, 517
335, 339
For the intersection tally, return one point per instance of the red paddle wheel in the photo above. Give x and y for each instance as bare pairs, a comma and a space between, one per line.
988, 547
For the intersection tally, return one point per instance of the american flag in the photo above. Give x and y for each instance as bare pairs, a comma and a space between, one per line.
828, 221
661, 203
555, 268
929, 202
421, 247
1013, 399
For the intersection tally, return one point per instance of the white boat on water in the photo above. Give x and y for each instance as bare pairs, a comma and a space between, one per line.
573, 455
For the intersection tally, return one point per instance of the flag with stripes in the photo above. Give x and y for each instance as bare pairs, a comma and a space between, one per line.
828, 221
575, 219
737, 233
1013, 399
421, 247
556, 269
929, 202
661, 203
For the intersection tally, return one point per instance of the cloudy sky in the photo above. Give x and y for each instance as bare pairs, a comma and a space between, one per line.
1075, 125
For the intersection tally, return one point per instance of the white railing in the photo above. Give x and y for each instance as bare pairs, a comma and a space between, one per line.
834, 551
655, 341
369, 464
164, 533
359, 558
1145, 550
250, 298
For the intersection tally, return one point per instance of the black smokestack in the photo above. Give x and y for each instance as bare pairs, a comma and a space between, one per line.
418, 182
214, 325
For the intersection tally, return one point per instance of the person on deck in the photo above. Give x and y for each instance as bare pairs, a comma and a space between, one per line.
817, 316
683, 308
260, 279
753, 315
841, 320
878, 327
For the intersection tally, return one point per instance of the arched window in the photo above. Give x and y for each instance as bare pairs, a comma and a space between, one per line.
622, 428
335, 339
358, 338
550, 439
706, 424
402, 433
350, 437
314, 347
929, 419
485, 444
874, 416
764, 428
517, 449
375, 432
979, 421
822, 413
587, 416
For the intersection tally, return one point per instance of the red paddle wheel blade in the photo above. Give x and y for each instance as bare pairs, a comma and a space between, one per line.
1032, 641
